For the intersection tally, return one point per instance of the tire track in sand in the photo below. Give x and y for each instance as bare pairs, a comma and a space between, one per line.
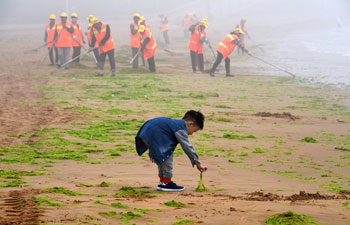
16, 208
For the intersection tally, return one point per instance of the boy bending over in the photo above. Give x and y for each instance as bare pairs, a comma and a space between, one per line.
161, 136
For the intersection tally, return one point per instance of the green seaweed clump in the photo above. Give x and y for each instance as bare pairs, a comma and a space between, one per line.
176, 204
346, 205
126, 217
289, 218
238, 137
104, 184
343, 148
62, 190
128, 191
184, 222
110, 214
44, 201
201, 187
119, 205
309, 140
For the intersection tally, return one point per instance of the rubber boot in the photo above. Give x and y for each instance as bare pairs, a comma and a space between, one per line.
100, 73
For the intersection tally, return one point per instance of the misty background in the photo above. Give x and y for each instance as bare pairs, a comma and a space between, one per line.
308, 37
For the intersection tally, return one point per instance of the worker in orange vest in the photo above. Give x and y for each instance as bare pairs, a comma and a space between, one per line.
49, 38
198, 37
101, 36
164, 27
186, 23
142, 21
63, 39
88, 34
243, 26
148, 47
135, 39
225, 48
77, 38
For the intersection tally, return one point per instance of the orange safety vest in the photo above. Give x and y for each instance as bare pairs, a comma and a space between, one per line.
135, 38
164, 26
109, 45
151, 47
64, 38
226, 47
50, 34
195, 43
244, 29
78, 35
186, 22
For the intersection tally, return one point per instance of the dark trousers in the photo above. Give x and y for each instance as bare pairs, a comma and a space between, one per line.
102, 59
76, 52
143, 59
218, 61
151, 64
96, 53
197, 59
135, 63
51, 50
166, 37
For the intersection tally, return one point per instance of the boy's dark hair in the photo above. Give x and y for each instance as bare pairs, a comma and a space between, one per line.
196, 117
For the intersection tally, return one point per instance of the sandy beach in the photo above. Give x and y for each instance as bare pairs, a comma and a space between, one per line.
272, 143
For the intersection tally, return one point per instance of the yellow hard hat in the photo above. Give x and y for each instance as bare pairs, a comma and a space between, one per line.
137, 15
63, 14
204, 22
142, 28
94, 20
142, 18
90, 17
74, 15
244, 19
238, 31
52, 17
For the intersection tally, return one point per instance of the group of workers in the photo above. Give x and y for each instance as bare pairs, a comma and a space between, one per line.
224, 49
61, 36
142, 41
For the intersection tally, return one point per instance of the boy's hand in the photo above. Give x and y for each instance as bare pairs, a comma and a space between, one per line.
200, 168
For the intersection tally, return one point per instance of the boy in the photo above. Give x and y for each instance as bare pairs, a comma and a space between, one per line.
161, 135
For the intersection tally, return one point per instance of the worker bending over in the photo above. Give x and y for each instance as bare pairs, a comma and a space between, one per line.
148, 47
225, 48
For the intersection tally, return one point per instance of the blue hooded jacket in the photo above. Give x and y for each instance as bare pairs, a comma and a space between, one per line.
161, 135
